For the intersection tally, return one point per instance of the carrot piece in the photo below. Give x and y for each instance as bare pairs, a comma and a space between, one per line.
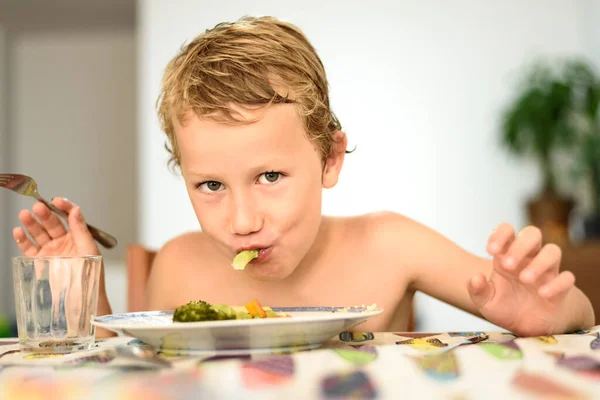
255, 309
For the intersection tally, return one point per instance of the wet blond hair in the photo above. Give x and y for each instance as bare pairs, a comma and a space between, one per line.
252, 62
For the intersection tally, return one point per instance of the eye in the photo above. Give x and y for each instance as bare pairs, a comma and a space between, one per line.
211, 186
269, 178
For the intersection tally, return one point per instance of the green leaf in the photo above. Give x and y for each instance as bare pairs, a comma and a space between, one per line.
555, 108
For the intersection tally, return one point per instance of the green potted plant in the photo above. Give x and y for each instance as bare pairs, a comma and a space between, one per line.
538, 123
590, 160
584, 78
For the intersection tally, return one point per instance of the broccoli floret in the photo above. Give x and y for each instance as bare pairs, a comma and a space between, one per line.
243, 258
200, 310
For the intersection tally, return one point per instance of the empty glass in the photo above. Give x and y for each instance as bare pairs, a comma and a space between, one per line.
56, 299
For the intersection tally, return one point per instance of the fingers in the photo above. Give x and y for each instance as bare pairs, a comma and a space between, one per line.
49, 221
35, 229
47, 226
480, 290
75, 220
42, 226
26, 246
513, 253
81, 234
500, 239
63, 204
543, 267
499, 242
559, 286
527, 243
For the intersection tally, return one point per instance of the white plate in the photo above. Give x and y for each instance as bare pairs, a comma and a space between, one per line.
307, 328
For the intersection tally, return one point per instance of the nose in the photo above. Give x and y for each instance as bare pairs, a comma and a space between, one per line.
245, 217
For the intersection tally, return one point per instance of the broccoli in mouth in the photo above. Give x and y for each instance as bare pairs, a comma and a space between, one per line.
243, 258
199, 310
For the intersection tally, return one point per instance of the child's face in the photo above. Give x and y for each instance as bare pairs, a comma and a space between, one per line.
256, 186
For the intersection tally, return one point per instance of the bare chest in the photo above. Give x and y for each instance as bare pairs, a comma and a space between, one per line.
343, 283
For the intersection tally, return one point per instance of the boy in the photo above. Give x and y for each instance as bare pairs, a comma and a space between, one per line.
245, 107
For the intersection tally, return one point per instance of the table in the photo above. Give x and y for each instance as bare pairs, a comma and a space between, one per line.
382, 365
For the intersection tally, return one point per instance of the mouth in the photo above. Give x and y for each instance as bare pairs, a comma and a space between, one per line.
263, 253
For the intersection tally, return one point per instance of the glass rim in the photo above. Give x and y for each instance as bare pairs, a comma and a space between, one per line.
49, 258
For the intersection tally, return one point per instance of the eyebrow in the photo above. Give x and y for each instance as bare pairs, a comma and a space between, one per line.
274, 164
199, 175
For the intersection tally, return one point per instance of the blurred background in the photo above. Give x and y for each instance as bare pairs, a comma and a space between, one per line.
465, 114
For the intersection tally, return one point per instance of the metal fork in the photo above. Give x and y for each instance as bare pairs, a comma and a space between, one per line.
470, 340
26, 186
143, 355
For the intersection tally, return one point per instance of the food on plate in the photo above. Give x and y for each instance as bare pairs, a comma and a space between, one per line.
243, 258
255, 309
200, 310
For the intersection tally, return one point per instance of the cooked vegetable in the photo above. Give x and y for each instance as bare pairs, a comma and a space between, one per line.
225, 309
243, 258
255, 309
270, 313
200, 310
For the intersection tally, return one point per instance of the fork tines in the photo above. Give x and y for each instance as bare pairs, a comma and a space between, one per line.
5, 178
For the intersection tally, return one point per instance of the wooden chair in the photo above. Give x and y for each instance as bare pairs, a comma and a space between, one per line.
139, 264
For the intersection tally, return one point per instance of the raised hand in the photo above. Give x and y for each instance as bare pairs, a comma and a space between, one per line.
525, 291
49, 237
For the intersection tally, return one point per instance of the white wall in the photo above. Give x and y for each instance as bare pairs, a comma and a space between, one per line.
5, 268
417, 86
592, 15
73, 128
73, 110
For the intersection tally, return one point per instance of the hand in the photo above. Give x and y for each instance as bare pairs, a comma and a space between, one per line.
49, 237
525, 292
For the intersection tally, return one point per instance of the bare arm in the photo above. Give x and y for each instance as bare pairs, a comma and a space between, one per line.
549, 303
162, 285
437, 266
104, 307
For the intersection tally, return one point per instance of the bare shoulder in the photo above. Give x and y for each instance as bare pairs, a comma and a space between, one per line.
385, 229
177, 258
423, 253
378, 235
183, 248
394, 240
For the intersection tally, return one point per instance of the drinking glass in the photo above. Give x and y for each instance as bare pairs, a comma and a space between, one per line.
56, 299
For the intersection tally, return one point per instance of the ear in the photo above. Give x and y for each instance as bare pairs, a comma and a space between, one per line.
335, 159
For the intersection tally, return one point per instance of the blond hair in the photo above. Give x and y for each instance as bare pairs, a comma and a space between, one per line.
253, 62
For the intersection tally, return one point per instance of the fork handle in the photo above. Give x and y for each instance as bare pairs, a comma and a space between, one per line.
105, 239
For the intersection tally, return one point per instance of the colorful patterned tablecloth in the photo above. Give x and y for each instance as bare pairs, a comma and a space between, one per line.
352, 365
